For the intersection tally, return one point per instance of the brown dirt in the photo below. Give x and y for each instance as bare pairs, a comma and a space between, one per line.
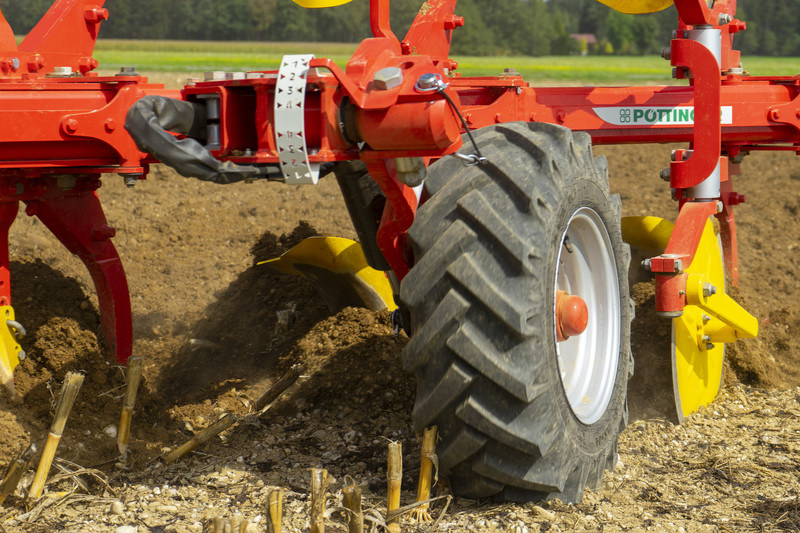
205, 322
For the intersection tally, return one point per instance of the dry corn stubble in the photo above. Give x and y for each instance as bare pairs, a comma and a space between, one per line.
66, 399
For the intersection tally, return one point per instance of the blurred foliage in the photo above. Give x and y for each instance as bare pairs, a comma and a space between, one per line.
499, 27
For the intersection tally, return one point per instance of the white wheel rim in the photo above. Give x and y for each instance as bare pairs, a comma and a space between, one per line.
588, 362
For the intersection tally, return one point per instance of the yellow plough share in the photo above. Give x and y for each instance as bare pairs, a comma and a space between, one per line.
10, 350
710, 319
337, 267
635, 7
320, 3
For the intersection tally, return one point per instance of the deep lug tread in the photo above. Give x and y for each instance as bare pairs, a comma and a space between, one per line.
471, 346
427, 339
506, 180
426, 272
475, 486
454, 382
481, 212
469, 274
541, 474
467, 442
493, 425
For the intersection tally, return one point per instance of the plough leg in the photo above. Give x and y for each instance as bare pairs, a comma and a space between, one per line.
78, 221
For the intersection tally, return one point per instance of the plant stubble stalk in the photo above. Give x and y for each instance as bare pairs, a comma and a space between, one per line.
66, 399
394, 479
134, 377
226, 421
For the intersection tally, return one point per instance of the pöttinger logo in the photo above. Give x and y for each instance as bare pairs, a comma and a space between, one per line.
655, 116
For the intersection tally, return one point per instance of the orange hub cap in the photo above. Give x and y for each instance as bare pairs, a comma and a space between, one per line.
572, 315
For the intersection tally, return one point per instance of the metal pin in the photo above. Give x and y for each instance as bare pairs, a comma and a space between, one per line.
567, 244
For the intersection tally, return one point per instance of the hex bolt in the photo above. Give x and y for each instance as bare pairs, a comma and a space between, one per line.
130, 180
103, 232
706, 318
35, 62
666, 53
720, 206
706, 339
388, 78
709, 346
709, 290
21, 355
127, 71
647, 264
724, 18
452, 22
95, 14
71, 125
61, 72
665, 174
87, 64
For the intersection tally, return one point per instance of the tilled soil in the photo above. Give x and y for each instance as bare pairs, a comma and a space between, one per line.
205, 321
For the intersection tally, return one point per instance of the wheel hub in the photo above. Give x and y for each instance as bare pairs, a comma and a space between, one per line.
588, 355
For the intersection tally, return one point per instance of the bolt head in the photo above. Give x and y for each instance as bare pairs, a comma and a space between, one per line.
127, 71
427, 81
665, 174
71, 125
709, 290
388, 78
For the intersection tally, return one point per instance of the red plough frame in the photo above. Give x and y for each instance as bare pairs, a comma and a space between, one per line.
63, 128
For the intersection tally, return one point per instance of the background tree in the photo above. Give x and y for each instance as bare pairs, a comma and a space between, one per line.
503, 27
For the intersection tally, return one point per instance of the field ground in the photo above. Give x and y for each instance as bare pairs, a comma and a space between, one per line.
194, 57
205, 320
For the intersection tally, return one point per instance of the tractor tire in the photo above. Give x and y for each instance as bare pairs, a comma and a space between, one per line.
521, 416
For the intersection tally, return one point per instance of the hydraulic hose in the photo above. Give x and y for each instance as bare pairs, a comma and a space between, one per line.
150, 122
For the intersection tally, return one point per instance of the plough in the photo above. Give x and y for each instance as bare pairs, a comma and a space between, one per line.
477, 199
